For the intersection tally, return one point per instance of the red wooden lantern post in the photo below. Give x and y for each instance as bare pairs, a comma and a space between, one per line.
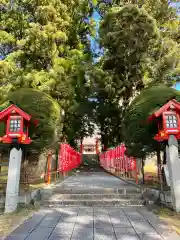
17, 124
168, 121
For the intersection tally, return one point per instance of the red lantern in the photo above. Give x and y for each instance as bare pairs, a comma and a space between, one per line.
17, 124
168, 117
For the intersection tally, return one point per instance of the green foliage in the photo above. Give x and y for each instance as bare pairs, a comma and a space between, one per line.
37, 38
106, 111
129, 36
138, 132
162, 61
43, 108
136, 53
46, 48
77, 123
141, 47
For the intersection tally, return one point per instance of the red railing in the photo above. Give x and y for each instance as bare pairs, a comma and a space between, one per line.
68, 158
115, 161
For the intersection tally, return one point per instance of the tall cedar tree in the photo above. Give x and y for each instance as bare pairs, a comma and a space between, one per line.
140, 42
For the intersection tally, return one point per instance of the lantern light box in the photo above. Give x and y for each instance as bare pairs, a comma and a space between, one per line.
17, 125
168, 119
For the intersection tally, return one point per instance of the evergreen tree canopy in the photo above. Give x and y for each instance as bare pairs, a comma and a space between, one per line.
43, 42
45, 47
135, 51
106, 111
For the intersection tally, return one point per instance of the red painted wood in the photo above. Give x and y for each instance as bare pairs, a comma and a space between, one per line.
68, 158
14, 112
117, 160
172, 108
8, 111
165, 108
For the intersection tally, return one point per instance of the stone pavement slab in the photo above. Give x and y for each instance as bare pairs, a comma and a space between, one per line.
93, 223
150, 237
40, 233
101, 224
63, 228
93, 180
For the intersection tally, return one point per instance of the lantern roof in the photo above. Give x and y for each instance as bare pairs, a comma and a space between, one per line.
15, 109
169, 106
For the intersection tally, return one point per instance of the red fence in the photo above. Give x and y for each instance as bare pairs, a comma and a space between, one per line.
115, 161
68, 158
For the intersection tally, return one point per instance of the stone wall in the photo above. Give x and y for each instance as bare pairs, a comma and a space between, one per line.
33, 167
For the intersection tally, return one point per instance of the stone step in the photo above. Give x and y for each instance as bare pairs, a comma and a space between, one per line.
66, 190
95, 196
93, 202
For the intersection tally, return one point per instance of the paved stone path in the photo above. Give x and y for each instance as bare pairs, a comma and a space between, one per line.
93, 223
92, 181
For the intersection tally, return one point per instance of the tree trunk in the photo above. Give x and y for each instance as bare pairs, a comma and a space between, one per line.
0, 161
159, 164
164, 156
104, 143
158, 153
142, 170
103, 137
163, 172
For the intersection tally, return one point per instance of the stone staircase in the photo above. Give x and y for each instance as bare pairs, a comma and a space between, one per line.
94, 197
90, 162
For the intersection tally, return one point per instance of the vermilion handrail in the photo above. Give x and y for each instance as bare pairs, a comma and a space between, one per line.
115, 160
68, 158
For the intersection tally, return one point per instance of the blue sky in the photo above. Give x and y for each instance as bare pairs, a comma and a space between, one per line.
177, 86
94, 43
176, 5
